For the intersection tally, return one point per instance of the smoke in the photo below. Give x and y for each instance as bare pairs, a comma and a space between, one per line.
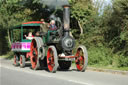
54, 3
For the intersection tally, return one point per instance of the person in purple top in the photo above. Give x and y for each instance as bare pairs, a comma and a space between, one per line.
52, 25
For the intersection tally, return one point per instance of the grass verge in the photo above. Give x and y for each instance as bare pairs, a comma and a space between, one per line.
105, 67
109, 67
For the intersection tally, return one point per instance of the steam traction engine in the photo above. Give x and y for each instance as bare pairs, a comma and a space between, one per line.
55, 48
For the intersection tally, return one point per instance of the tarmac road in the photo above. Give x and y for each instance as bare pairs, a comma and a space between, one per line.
10, 75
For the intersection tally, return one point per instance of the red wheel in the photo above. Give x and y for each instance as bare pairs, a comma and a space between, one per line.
37, 52
22, 61
52, 61
16, 60
81, 58
34, 55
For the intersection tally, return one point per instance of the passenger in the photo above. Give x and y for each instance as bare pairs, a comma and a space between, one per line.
30, 36
52, 25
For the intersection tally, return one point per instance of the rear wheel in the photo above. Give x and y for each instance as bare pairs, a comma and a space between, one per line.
65, 65
37, 52
22, 61
16, 60
34, 55
81, 59
52, 60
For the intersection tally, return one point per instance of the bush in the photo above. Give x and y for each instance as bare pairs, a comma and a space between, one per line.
123, 61
99, 55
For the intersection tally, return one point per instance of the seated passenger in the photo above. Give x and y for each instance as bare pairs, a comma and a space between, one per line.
52, 25
30, 36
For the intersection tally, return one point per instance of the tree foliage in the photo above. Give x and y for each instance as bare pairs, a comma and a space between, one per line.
106, 34
117, 31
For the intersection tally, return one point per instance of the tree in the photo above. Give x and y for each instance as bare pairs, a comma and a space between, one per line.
11, 14
116, 31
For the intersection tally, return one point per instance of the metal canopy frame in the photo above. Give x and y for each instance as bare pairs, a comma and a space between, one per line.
25, 26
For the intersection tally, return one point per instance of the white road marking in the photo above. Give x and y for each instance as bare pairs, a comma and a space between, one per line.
80, 82
50, 75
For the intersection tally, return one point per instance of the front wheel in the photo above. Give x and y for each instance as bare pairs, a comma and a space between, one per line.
52, 60
81, 59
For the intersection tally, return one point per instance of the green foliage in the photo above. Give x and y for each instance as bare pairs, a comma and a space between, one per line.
16, 35
106, 35
11, 14
123, 61
83, 16
119, 60
116, 32
99, 55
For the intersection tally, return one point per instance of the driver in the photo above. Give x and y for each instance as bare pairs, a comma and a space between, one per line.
43, 26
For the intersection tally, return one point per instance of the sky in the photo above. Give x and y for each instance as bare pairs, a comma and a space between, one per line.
104, 2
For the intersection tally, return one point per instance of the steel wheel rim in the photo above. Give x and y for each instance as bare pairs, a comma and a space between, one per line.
79, 59
34, 54
50, 59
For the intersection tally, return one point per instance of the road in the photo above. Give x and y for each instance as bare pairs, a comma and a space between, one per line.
10, 75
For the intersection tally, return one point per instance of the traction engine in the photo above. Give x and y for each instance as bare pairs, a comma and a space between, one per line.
55, 49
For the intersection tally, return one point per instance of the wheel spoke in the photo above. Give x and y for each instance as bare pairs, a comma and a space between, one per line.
81, 58
35, 49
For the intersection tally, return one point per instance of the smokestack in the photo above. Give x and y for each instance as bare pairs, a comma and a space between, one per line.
66, 17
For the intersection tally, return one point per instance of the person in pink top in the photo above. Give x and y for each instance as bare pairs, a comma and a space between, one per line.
30, 36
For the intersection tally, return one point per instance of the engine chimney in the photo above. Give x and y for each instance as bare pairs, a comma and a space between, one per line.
66, 17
